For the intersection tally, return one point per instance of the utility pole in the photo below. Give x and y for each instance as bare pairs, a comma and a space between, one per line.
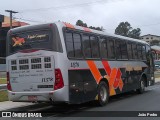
10, 11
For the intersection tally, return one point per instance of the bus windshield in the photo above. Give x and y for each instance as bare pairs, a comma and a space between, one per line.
30, 40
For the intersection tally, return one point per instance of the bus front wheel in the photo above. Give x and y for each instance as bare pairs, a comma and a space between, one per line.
103, 94
142, 86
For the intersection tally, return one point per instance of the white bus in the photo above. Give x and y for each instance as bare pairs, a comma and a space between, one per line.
60, 62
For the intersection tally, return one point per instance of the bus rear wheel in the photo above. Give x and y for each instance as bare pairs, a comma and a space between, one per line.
142, 86
103, 94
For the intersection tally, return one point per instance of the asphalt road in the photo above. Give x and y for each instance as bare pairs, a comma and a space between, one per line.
122, 105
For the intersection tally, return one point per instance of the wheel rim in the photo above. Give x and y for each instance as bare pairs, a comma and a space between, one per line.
142, 85
103, 93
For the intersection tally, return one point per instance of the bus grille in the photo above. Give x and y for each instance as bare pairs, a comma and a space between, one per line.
47, 59
13, 62
14, 67
36, 66
36, 60
24, 67
24, 61
32, 63
47, 65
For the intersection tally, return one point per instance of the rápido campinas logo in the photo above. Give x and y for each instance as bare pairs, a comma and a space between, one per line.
22, 115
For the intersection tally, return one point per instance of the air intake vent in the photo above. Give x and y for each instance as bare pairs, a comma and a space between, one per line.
36, 66
47, 65
47, 59
24, 67
14, 67
13, 62
36, 60
24, 61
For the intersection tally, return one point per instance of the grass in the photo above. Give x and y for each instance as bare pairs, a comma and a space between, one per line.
3, 96
3, 81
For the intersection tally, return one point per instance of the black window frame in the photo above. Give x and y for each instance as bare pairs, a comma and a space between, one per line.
99, 37
120, 41
134, 43
129, 42
113, 40
76, 32
81, 45
143, 45
101, 41
139, 57
67, 47
117, 44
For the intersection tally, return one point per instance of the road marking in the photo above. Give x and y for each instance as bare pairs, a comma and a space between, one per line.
38, 109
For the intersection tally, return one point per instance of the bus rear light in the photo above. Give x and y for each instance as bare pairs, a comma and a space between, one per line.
8, 82
58, 79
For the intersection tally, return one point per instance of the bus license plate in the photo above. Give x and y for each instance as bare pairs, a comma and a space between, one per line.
32, 98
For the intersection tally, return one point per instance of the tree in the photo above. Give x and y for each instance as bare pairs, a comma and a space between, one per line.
135, 33
81, 23
125, 29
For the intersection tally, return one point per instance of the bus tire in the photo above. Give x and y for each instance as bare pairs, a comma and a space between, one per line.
142, 86
103, 94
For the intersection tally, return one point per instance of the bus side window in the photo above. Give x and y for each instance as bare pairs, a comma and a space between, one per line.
123, 47
104, 51
129, 49
134, 50
86, 46
148, 56
110, 47
118, 49
139, 49
77, 45
143, 52
69, 44
95, 46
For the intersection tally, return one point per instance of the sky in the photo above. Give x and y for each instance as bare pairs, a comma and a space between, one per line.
143, 14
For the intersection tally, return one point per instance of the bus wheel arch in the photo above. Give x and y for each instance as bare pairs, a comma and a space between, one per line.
103, 92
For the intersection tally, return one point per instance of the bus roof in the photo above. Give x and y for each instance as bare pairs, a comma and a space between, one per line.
68, 25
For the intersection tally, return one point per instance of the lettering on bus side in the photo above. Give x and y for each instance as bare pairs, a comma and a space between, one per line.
74, 64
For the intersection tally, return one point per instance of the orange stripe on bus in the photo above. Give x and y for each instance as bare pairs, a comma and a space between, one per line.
69, 25
121, 84
86, 29
94, 70
119, 74
106, 67
112, 80
113, 77
117, 80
